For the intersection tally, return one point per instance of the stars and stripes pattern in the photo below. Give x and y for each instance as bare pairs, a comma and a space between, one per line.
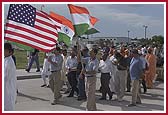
28, 26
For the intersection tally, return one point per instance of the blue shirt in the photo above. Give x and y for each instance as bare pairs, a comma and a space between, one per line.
59, 60
136, 68
91, 65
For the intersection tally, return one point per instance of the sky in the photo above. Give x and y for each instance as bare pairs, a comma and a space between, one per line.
116, 19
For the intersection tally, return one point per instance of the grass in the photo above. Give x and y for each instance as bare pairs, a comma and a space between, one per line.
21, 59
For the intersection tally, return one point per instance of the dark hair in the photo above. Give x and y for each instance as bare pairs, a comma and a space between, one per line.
95, 50
118, 55
135, 51
58, 49
64, 50
8, 46
85, 49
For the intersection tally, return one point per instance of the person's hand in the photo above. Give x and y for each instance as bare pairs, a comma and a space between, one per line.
49, 59
81, 76
83, 71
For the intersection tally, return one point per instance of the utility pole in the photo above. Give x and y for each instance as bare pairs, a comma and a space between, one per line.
128, 36
145, 27
42, 7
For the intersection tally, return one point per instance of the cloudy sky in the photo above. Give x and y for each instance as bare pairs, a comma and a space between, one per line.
116, 19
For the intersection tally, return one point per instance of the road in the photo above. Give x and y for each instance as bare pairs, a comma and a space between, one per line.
32, 97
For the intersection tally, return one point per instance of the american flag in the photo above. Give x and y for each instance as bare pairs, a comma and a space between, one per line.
28, 26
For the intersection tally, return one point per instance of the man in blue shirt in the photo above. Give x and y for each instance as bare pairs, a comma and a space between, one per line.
136, 70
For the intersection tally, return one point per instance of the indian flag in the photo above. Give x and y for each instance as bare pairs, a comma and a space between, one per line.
91, 29
93, 21
66, 32
81, 19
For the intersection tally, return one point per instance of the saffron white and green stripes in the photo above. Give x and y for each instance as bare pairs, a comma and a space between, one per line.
81, 19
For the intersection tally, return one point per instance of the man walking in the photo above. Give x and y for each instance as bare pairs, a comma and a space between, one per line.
34, 57
105, 67
136, 70
55, 77
90, 71
71, 65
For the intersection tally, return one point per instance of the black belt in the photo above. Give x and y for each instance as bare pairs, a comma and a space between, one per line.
90, 76
53, 71
105, 73
121, 69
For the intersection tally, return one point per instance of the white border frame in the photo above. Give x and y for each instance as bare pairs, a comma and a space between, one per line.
164, 3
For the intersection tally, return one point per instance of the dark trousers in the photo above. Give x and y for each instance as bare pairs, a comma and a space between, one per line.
36, 59
105, 80
81, 86
144, 85
73, 82
128, 82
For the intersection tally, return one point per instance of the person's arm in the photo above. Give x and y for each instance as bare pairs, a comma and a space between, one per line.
55, 63
95, 69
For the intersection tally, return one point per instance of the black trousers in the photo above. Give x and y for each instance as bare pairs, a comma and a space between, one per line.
72, 79
128, 82
144, 85
105, 80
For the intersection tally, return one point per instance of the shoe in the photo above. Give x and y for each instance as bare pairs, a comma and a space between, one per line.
102, 98
43, 85
66, 92
27, 70
113, 93
138, 102
128, 91
81, 98
131, 105
119, 100
48, 86
38, 70
70, 96
54, 103
110, 97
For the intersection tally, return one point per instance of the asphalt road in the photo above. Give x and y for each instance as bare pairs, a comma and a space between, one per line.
32, 98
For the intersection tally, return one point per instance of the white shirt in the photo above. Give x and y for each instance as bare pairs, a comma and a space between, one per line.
71, 63
105, 66
64, 69
114, 67
9, 84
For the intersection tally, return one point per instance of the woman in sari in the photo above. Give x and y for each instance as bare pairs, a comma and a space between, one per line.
151, 72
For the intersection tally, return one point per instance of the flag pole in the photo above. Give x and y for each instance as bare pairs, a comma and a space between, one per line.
78, 49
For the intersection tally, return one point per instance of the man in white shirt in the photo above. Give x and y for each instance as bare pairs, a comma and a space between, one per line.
9, 79
71, 66
46, 70
105, 66
114, 69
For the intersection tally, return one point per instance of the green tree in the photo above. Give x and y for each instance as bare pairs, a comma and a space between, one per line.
158, 39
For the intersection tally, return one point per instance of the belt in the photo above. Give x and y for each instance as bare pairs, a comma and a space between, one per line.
90, 76
121, 69
53, 71
105, 73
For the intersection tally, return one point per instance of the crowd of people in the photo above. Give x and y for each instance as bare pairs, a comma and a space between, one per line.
123, 69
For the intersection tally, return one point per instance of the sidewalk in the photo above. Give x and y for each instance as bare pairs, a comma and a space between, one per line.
32, 97
22, 74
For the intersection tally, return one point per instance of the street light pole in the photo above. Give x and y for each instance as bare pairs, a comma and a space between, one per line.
128, 36
42, 7
145, 26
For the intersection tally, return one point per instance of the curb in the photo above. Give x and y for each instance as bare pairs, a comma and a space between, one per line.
28, 77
